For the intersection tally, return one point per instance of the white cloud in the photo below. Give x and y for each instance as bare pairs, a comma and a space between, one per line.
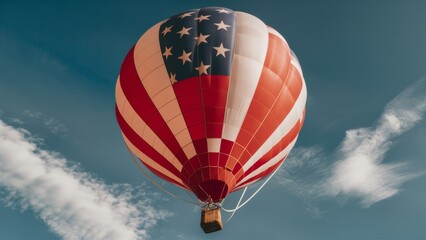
357, 168
73, 204
360, 171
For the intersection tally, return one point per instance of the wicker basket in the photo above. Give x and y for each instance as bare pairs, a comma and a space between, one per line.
211, 220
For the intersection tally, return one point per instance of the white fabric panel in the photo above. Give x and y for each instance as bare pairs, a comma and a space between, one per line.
283, 128
270, 163
155, 79
213, 144
150, 37
295, 62
251, 43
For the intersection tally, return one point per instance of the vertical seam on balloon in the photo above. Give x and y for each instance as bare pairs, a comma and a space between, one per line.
201, 89
227, 95
202, 101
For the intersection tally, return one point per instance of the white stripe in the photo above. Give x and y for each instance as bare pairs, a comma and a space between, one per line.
155, 79
283, 129
251, 43
296, 63
269, 164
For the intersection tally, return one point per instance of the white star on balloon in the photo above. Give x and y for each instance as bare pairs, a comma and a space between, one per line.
184, 31
167, 30
173, 78
202, 17
221, 50
186, 15
168, 52
223, 11
202, 69
222, 25
185, 57
201, 39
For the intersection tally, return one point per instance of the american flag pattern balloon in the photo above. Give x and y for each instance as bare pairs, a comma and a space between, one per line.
211, 100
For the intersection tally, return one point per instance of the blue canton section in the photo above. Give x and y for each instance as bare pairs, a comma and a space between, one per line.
198, 42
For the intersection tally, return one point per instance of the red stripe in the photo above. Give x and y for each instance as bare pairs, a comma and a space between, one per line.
147, 149
215, 93
188, 95
145, 108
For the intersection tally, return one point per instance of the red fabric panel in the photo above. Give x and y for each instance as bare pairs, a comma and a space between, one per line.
215, 93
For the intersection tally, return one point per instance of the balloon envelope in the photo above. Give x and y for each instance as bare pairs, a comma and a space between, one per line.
211, 100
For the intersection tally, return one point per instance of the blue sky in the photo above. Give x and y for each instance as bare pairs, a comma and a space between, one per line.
357, 171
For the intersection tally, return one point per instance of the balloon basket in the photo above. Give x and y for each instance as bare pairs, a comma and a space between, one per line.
211, 220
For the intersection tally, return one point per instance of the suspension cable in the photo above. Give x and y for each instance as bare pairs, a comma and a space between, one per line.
254, 194
238, 204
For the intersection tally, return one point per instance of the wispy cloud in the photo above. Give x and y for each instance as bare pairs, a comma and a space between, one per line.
16, 121
303, 173
360, 171
50, 123
74, 204
32, 114
357, 168
302, 170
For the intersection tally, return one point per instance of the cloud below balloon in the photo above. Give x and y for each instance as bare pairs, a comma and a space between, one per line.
73, 203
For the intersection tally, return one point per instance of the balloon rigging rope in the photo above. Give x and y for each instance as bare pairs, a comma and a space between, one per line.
157, 184
254, 194
239, 201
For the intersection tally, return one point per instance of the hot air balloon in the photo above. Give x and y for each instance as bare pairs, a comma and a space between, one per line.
211, 100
